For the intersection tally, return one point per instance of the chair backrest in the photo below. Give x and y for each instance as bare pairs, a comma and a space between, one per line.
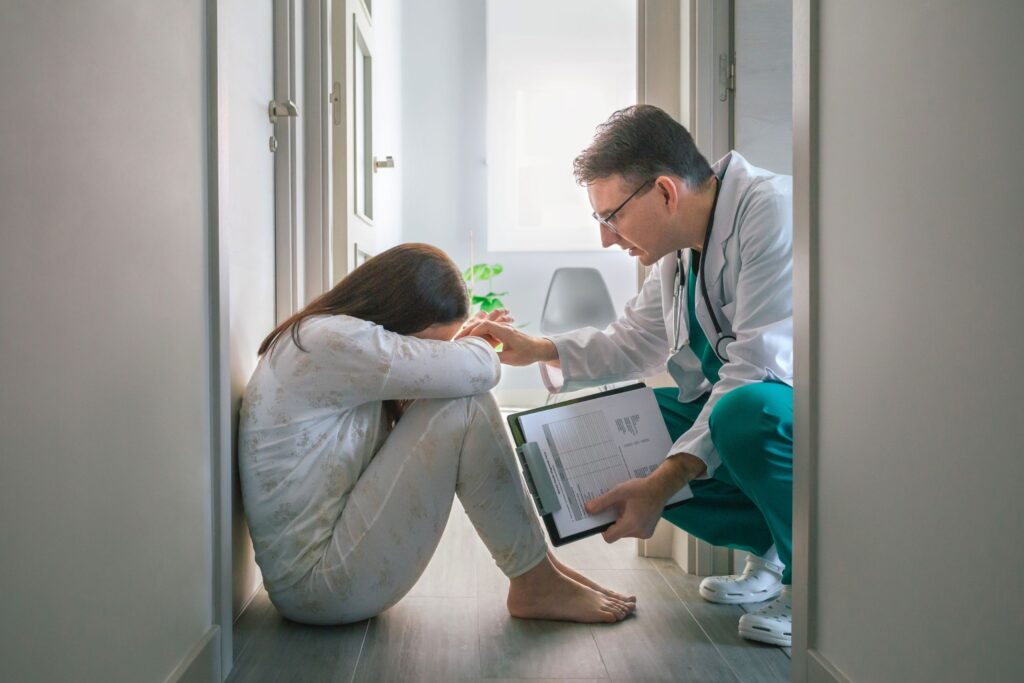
577, 297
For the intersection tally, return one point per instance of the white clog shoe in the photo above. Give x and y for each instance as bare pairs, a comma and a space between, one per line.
761, 580
772, 623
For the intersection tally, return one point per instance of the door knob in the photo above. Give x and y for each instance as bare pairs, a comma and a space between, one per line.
278, 110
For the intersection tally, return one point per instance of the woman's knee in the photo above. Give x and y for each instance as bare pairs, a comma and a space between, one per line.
741, 421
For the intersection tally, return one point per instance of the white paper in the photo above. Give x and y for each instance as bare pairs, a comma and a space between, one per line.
591, 446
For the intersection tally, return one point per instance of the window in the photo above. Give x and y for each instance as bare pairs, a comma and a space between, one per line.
555, 70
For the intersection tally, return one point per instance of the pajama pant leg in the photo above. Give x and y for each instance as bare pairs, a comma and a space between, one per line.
397, 511
748, 502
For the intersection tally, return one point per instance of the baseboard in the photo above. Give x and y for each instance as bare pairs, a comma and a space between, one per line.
659, 544
202, 662
820, 670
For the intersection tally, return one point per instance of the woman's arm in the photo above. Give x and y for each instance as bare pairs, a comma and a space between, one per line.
352, 361
427, 368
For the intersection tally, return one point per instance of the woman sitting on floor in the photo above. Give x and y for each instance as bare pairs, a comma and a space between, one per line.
362, 420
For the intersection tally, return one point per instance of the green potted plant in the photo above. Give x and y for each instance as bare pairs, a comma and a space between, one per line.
480, 272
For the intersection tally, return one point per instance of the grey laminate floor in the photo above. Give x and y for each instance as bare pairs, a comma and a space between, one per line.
453, 627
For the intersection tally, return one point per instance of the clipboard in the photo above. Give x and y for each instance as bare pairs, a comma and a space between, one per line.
537, 475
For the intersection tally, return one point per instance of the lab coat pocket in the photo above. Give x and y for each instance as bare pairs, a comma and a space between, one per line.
728, 310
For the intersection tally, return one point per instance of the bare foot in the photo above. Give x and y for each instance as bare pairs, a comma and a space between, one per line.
546, 593
579, 578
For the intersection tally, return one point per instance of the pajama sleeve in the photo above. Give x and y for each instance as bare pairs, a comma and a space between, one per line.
353, 361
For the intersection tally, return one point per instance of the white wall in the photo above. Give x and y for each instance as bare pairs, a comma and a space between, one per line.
444, 176
247, 220
105, 517
920, 323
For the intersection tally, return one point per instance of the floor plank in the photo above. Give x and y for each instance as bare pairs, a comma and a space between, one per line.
249, 622
662, 642
453, 626
752, 662
422, 639
280, 650
529, 649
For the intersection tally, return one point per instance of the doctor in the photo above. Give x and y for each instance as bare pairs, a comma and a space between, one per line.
717, 308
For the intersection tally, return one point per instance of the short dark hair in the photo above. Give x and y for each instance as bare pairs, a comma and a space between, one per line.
639, 143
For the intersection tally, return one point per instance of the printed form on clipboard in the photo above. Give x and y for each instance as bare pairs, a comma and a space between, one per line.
574, 451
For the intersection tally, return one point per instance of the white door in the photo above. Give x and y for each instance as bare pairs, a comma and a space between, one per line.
352, 152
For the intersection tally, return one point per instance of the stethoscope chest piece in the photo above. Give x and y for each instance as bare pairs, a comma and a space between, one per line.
721, 344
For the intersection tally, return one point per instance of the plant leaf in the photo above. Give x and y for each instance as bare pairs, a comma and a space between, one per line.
481, 271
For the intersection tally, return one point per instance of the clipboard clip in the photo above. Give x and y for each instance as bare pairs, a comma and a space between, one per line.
538, 481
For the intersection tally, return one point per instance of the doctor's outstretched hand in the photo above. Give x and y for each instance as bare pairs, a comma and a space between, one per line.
638, 503
518, 348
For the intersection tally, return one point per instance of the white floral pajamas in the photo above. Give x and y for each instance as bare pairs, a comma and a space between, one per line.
346, 514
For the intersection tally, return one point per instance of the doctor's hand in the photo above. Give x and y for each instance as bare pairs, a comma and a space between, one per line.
499, 315
638, 503
518, 348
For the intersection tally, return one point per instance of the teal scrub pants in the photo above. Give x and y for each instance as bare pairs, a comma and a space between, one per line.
748, 503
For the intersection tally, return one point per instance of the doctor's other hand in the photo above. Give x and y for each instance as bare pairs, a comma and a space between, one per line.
518, 348
638, 503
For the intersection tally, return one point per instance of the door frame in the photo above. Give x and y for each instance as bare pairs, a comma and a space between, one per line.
317, 181
289, 267
808, 664
688, 35
220, 352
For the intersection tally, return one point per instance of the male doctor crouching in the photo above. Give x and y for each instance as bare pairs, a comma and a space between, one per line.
717, 306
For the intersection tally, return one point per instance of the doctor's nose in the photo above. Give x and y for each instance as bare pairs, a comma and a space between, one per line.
608, 238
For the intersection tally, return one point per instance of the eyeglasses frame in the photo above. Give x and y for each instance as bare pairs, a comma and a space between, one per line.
607, 220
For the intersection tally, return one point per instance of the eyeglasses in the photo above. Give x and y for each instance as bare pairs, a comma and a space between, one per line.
607, 220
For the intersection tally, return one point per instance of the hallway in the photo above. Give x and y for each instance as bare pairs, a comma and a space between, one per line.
453, 627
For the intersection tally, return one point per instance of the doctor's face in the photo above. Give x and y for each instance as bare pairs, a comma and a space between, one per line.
635, 217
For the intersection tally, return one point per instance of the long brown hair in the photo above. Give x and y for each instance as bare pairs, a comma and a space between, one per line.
405, 289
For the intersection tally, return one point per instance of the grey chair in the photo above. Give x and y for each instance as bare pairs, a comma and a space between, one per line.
577, 297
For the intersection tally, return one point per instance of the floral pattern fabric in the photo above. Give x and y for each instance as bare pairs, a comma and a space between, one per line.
345, 513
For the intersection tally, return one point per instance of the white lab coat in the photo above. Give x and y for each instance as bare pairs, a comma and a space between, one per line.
749, 274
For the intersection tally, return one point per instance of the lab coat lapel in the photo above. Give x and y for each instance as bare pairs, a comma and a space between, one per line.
713, 261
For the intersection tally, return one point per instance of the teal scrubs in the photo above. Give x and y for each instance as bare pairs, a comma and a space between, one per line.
748, 503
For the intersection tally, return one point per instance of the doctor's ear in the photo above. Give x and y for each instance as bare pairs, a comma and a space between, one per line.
668, 189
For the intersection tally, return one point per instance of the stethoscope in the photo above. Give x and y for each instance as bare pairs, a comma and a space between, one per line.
677, 299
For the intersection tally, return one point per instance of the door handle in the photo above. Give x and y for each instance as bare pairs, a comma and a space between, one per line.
278, 110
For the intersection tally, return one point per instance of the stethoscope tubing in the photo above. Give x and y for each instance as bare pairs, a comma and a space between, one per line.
722, 340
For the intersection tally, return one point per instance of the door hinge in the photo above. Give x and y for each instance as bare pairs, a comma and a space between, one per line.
336, 103
732, 76
725, 77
